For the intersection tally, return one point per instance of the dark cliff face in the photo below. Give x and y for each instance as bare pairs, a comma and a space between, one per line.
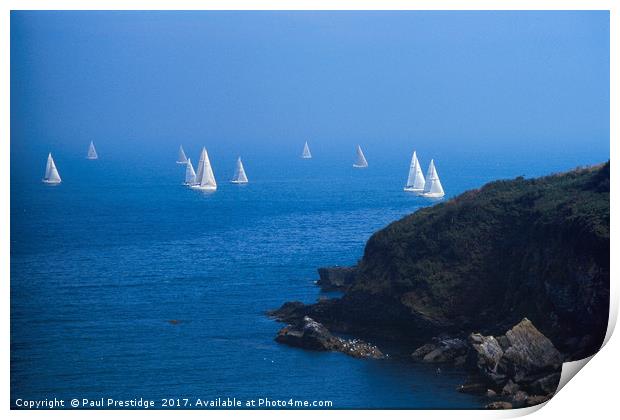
535, 248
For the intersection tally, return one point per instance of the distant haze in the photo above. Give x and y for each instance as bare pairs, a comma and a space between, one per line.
261, 83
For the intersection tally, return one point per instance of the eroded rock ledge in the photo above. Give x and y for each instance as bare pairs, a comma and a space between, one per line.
312, 335
518, 369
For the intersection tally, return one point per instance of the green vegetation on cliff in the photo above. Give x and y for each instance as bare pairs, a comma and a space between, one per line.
536, 248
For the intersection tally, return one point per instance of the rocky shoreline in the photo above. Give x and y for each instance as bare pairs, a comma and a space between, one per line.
518, 369
508, 281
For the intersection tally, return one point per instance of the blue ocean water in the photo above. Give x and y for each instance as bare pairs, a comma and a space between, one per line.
102, 263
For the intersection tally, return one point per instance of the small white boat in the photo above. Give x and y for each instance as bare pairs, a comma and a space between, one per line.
182, 158
361, 159
92, 153
240, 177
432, 186
190, 175
415, 180
306, 152
205, 179
51, 173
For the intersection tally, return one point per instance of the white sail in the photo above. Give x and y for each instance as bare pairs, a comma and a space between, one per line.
361, 159
306, 153
415, 180
240, 176
182, 159
190, 175
92, 153
205, 179
432, 186
201, 161
51, 173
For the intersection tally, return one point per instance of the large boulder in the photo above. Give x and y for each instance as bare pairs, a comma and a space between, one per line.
528, 359
448, 350
529, 352
487, 355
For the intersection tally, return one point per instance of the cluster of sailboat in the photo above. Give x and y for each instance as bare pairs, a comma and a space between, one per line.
430, 186
204, 179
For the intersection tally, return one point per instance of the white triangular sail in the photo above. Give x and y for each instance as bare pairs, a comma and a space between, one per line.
205, 179
432, 186
190, 175
415, 180
201, 161
240, 176
306, 152
361, 159
182, 159
51, 173
92, 153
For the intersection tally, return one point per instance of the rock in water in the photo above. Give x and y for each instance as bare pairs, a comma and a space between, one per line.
312, 335
530, 361
488, 354
449, 350
422, 351
309, 335
529, 352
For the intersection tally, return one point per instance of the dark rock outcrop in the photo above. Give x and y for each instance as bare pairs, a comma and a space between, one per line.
336, 278
312, 335
448, 350
530, 362
521, 367
535, 248
499, 405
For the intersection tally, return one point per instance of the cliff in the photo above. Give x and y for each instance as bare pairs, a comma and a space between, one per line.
522, 248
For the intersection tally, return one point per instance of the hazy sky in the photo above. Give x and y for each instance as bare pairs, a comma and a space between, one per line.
535, 82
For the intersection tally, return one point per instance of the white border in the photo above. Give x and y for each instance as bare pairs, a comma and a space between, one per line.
593, 395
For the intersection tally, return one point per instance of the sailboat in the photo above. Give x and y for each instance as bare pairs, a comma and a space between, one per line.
240, 176
306, 153
415, 180
92, 153
361, 159
51, 173
182, 159
432, 186
190, 175
205, 180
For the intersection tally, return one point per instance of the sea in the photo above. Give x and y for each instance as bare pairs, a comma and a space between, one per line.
125, 284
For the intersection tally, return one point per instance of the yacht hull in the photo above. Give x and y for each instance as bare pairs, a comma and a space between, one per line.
431, 195
206, 188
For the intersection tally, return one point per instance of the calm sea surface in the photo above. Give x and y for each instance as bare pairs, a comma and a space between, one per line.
101, 264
